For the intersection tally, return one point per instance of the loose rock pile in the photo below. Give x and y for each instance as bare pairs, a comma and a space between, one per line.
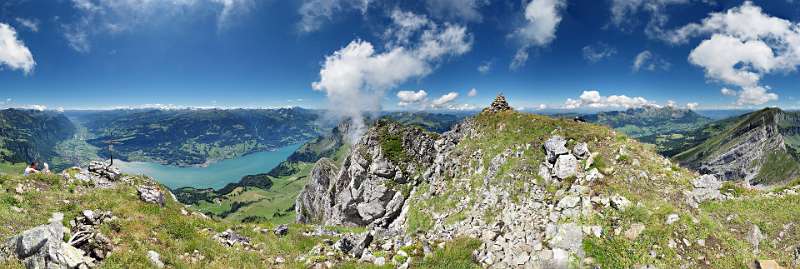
230, 238
499, 104
86, 234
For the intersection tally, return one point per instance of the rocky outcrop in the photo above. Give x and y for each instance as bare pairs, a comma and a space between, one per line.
315, 199
705, 188
98, 173
151, 194
369, 187
44, 247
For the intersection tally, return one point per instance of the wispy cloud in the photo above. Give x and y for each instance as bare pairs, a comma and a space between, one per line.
31, 24
649, 61
597, 52
98, 17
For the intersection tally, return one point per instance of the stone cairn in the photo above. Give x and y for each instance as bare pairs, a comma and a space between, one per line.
499, 104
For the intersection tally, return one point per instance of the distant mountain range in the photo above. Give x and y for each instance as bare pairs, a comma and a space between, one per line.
648, 121
193, 137
28, 135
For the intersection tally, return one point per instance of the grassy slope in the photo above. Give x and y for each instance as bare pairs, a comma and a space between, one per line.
141, 227
657, 195
11, 168
274, 205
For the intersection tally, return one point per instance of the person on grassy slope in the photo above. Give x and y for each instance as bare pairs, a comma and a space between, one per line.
31, 169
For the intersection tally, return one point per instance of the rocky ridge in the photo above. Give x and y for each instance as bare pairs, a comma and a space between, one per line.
534, 191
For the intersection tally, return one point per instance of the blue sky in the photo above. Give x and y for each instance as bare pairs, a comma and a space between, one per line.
361, 55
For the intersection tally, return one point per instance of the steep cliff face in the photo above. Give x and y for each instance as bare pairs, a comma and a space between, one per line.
759, 149
374, 180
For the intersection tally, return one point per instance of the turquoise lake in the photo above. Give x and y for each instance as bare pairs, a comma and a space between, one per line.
215, 175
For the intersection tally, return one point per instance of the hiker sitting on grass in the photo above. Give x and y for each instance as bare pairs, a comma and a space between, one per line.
31, 169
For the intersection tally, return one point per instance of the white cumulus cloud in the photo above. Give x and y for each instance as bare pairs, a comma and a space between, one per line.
355, 77
13, 52
742, 45
444, 99
411, 97
542, 19
692, 106
472, 92
594, 99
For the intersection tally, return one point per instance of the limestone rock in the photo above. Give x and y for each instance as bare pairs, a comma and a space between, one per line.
151, 194
672, 218
754, 237
365, 190
581, 151
86, 234
566, 166
43, 247
768, 264
706, 188
620, 202
568, 236
314, 200
155, 259
554, 147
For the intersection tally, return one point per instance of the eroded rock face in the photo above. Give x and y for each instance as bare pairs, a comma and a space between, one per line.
315, 199
743, 160
368, 189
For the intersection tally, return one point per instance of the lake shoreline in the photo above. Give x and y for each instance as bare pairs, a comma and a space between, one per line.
213, 175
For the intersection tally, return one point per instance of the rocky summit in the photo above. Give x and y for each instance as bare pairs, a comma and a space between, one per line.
499, 104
